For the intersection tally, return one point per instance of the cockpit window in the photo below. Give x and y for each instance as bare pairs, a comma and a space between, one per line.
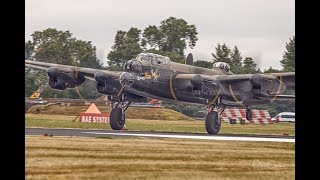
154, 59
222, 65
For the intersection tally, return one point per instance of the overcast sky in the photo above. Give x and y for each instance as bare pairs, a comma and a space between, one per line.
259, 28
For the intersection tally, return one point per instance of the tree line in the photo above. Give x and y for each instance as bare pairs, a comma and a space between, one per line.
170, 38
233, 57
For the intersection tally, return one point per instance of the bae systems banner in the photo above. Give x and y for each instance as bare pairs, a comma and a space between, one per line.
94, 118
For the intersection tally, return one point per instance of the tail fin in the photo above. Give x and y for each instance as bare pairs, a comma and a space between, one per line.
189, 59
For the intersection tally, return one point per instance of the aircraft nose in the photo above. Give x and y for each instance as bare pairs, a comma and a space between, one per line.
126, 79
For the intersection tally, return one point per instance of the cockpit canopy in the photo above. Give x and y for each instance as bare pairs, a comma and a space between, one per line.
222, 65
154, 59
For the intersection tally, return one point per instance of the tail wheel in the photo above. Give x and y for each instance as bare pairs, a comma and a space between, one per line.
248, 114
213, 122
117, 119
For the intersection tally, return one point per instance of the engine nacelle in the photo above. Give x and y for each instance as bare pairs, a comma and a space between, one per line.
197, 85
266, 85
57, 84
107, 85
61, 80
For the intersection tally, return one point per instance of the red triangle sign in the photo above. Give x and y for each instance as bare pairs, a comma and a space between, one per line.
93, 109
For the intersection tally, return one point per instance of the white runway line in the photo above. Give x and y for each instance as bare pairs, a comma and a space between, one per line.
227, 138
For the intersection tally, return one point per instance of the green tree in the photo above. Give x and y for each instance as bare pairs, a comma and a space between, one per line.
249, 66
151, 37
223, 54
236, 61
204, 64
288, 58
29, 48
258, 71
172, 35
126, 46
271, 70
54, 46
32, 80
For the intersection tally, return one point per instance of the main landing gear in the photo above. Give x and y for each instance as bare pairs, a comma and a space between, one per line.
213, 122
117, 115
213, 118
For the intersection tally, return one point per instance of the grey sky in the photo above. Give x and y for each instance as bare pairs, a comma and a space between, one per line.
259, 28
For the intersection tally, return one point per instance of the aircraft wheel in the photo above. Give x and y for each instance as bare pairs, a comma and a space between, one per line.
213, 122
117, 119
248, 114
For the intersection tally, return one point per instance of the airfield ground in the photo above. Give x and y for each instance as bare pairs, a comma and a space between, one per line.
195, 126
140, 158
132, 112
144, 158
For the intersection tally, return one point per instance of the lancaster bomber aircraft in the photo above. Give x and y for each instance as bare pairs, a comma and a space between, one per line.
155, 76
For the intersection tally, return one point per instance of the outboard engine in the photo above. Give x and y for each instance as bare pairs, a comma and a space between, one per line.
61, 80
266, 85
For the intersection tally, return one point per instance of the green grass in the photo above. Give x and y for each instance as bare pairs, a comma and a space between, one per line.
140, 158
60, 121
132, 112
104, 137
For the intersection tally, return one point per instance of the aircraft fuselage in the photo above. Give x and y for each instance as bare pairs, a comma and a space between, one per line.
166, 82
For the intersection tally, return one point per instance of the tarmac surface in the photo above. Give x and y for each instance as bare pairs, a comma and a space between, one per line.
151, 134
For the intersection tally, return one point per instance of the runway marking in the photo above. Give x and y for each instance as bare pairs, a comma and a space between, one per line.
226, 138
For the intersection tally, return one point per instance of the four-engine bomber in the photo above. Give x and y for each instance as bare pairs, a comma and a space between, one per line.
155, 76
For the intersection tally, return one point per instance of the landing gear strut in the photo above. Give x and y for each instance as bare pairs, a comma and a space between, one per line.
248, 114
213, 118
117, 115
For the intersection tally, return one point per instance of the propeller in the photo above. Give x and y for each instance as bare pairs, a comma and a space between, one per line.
126, 79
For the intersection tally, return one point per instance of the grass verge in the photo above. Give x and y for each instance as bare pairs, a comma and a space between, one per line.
139, 158
196, 126
132, 112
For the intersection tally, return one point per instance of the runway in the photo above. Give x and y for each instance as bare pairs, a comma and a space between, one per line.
150, 134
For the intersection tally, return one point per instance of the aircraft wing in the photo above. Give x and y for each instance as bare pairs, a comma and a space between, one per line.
88, 73
287, 78
263, 86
